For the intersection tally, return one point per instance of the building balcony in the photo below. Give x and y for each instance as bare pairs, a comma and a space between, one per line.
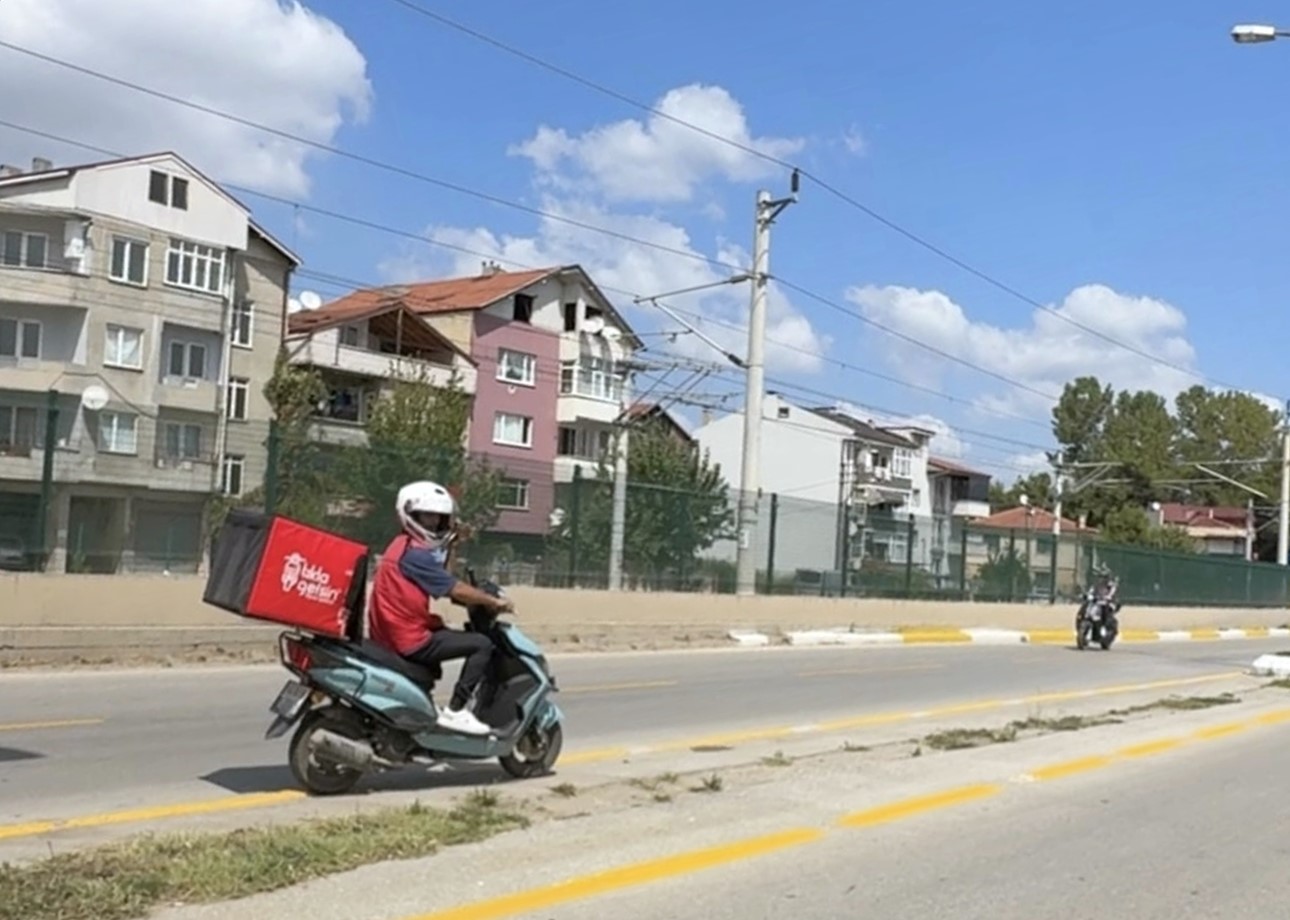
318, 352
968, 508
188, 395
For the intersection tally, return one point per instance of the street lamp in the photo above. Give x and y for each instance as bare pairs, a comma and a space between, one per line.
1256, 34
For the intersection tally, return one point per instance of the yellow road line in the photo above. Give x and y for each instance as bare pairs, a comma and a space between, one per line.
907, 808
635, 875
134, 816
601, 755
839, 672
610, 688
779, 732
630, 876
41, 726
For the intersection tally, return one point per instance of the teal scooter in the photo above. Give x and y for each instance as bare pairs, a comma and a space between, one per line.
362, 709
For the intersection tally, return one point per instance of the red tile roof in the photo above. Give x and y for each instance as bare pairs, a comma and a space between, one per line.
446, 296
1203, 515
1035, 518
948, 466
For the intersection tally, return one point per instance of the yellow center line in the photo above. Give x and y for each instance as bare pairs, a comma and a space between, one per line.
635, 875
40, 726
133, 816
610, 688
602, 755
630, 876
838, 672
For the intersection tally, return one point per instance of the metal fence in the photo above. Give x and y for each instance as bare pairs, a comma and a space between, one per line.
551, 524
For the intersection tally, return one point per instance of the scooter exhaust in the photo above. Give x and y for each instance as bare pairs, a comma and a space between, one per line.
358, 755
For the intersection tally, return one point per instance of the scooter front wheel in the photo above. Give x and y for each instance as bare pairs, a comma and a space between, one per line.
320, 776
536, 753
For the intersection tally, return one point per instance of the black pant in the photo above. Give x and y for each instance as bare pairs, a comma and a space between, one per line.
450, 644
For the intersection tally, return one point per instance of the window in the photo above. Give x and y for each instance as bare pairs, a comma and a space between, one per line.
243, 323
585, 443
159, 187
516, 367
24, 250
239, 392
183, 441
513, 494
231, 475
17, 426
118, 433
124, 347
19, 338
513, 430
167, 189
194, 266
593, 377
129, 261
571, 317
187, 360
349, 335
522, 311
902, 463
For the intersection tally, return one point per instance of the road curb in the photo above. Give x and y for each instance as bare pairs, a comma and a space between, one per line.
988, 636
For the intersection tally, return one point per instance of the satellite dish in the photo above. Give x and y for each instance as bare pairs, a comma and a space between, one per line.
309, 300
613, 333
94, 397
594, 324
294, 305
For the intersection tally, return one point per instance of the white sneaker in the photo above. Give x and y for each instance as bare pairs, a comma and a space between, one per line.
464, 721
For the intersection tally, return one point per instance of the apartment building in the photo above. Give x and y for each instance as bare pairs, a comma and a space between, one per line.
360, 349
550, 352
141, 308
846, 486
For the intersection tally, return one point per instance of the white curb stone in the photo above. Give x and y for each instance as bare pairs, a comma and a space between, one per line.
1272, 666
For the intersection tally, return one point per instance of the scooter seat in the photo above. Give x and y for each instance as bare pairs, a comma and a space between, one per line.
419, 674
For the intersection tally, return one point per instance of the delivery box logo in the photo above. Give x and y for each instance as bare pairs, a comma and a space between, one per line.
310, 582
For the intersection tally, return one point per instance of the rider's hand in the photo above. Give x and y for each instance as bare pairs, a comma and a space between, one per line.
505, 605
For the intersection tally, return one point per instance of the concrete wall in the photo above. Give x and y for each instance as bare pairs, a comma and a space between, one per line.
158, 601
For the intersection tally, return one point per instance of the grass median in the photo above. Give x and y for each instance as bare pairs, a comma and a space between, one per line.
129, 880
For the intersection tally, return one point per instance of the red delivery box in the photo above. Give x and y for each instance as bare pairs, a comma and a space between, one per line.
269, 567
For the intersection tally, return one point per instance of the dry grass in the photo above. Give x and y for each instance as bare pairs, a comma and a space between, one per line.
129, 880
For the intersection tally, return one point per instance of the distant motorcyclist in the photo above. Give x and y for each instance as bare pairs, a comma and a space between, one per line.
413, 571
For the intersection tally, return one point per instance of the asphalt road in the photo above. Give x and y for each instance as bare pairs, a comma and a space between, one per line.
88, 742
1195, 835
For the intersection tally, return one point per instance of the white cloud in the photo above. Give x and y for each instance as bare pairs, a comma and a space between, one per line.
658, 159
274, 62
1045, 354
588, 179
1027, 463
855, 142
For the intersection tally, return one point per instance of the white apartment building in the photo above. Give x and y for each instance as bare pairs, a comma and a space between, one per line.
845, 487
144, 305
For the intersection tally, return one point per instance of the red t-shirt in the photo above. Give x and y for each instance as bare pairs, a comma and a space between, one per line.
410, 574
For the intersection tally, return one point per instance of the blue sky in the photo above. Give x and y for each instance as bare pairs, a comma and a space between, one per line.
1121, 162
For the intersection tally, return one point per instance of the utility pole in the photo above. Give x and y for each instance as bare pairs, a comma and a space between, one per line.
750, 479
618, 521
1283, 532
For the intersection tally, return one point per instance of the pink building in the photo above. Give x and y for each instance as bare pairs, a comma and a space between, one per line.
550, 351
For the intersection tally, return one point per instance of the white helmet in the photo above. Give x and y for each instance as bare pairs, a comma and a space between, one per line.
426, 511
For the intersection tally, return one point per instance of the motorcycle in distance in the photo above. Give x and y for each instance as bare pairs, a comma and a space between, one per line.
364, 709
1097, 619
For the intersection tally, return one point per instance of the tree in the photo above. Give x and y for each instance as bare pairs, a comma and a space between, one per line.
1129, 525
1037, 487
297, 472
678, 505
417, 430
1005, 574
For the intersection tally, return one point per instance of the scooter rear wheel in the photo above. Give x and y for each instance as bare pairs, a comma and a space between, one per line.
319, 776
536, 754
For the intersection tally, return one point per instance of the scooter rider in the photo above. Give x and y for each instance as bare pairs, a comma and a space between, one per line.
413, 573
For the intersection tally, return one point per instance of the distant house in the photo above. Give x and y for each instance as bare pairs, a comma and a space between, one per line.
642, 411
1218, 531
1028, 532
